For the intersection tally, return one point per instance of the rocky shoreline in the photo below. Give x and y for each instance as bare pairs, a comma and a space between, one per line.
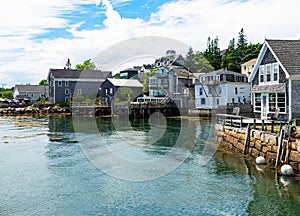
33, 110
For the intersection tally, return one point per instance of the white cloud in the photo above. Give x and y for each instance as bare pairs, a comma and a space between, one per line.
23, 59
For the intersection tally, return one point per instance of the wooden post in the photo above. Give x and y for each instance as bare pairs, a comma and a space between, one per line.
247, 140
272, 127
254, 123
281, 137
263, 125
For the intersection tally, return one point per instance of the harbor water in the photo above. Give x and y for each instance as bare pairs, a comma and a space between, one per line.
48, 166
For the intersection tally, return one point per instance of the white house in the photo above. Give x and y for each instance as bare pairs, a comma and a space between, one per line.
31, 92
221, 87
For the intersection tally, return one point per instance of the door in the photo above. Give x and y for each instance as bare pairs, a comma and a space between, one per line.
264, 106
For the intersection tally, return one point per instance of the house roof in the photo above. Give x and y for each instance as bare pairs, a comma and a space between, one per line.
250, 62
31, 88
288, 53
222, 71
82, 74
125, 82
140, 77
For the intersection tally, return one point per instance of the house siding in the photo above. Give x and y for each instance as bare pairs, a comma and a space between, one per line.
295, 87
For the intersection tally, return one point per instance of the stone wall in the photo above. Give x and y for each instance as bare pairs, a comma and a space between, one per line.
261, 143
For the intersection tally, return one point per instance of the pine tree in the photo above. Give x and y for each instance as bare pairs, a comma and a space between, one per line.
190, 62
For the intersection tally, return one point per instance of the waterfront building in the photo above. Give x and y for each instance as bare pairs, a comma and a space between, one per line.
66, 83
30, 92
220, 88
111, 89
275, 80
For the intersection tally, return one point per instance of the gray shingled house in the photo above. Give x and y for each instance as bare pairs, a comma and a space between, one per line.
67, 83
30, 92
275, 80
112, 89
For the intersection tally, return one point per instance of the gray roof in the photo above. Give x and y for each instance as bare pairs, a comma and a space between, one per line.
140, 77
275, 88
222, 71
82, 74
31, 88
288, 53
125, 82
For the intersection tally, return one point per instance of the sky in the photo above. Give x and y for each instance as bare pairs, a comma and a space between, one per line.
36, 35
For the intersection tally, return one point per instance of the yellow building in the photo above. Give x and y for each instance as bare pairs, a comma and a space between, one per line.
247, 67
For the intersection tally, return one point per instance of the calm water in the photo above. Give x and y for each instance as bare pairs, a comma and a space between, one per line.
43, 177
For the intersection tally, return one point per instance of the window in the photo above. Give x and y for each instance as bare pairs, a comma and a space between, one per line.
272, 102
66, 83
232, 100
257, 102
202, 101
111, 90
66, 91
268, 72
281, 102
245, 67
79, 91
261, 73
218, 101
66, 99
275, 72
200, 91
236, 90
59, 83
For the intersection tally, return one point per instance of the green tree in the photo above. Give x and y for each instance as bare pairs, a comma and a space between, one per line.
146, 81
7, 94
212, 53
190, 61
125, 94
43, 82
117, 76
86, 65
202, 64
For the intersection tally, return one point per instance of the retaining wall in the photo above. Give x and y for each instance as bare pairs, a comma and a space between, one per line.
261, 143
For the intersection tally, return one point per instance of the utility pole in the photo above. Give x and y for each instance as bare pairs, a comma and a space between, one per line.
3, 84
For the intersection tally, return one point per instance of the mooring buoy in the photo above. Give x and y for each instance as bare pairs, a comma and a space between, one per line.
286, 170
260, 160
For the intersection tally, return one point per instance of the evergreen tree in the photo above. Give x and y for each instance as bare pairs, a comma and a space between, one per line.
202, 64
190, 61
212, 53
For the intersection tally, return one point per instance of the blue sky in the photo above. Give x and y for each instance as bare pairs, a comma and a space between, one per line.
38, 35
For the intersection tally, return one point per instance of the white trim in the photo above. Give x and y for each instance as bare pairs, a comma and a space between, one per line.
290, 99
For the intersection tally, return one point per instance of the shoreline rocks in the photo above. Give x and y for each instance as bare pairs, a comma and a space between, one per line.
32, 110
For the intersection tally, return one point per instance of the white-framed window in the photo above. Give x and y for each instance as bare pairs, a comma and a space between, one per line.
111, 90
275, 72
79, 91
261, 74
257, 102
281, 102
66, 83
67, 91
268, 73
66, 99
59, 83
